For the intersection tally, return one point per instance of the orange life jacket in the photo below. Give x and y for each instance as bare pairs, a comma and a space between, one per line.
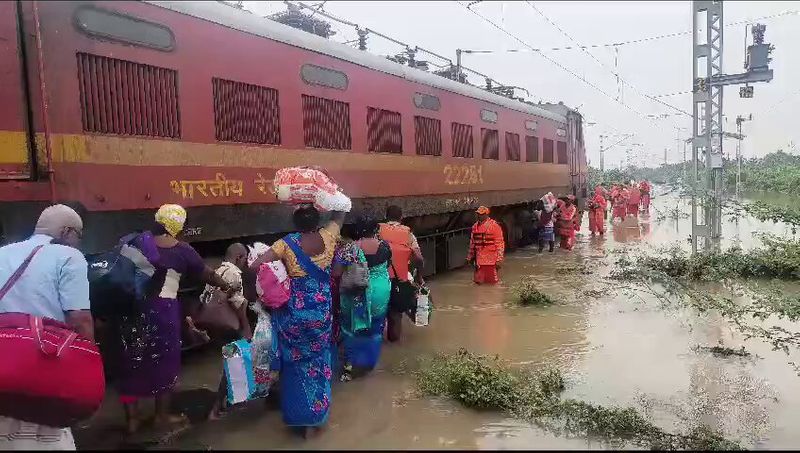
399, 239
486, 245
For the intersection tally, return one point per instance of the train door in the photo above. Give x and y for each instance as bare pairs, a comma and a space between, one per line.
15, 151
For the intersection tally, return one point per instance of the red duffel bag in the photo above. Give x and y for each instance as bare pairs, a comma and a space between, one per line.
48, 373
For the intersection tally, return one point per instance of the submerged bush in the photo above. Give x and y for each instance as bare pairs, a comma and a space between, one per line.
776, 258
528, 294
486, 383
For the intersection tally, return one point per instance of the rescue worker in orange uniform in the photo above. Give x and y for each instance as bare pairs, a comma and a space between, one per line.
486, 248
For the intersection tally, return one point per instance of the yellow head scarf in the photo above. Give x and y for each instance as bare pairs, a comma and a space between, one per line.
172, 216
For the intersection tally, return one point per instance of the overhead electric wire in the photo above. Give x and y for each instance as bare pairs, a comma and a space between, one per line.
557, 64
603, 65
638, 40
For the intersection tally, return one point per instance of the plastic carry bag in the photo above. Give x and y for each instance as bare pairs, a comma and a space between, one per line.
549, 201
273, 285
238, 364
265, 354
424, 307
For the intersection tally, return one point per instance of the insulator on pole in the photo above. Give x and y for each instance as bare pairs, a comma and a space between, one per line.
362, 38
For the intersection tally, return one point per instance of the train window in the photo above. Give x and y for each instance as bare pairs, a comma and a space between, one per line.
561, 150
428, 135
383, 131
547, 152
326, 123
245, 113
427, 101
106, 24
317, 75
531, 125
512, 146
462, 140
489, 116
531, 148
127, 98
490, 141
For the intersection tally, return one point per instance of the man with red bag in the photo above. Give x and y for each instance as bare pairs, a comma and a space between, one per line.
45, 276
486, 248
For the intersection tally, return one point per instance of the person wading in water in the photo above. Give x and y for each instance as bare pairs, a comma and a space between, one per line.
486, 248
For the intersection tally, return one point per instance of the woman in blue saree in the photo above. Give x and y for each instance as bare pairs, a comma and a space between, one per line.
363, 313
303, 325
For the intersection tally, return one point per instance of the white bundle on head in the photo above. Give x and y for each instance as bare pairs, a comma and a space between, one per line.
256, 250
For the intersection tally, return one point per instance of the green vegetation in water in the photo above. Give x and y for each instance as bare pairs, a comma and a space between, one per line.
776, 258
672, 276
767, 212
608, 178
527, 293
675, 213
486, 383
775, 172
573, 268
723, 351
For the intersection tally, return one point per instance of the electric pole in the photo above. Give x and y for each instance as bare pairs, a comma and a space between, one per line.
707, 84
602, 167
739, 120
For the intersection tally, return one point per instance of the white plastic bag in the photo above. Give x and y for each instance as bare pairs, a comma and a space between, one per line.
264, 353
238, 365
338, 201
424, 307
256, 250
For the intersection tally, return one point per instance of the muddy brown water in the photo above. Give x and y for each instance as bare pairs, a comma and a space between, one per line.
614, 349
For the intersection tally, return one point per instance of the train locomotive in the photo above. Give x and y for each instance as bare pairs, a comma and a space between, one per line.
118, 107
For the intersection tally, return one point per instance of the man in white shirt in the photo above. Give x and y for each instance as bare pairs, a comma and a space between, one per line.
54, 285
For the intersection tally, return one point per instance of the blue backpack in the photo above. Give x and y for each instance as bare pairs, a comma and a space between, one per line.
119, 279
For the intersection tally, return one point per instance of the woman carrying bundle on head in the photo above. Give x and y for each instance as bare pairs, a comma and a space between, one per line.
303, 323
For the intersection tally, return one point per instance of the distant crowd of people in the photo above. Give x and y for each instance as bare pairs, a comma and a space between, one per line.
553, 218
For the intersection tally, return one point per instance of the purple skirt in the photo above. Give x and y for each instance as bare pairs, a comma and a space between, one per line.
150, 356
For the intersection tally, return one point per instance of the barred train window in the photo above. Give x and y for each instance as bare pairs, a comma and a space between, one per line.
127, 98
384, 134
428, 136
462, 140
547, 152
104, 24
490, 140
245, 113
531, 148
512, 146
326, 123
561, 150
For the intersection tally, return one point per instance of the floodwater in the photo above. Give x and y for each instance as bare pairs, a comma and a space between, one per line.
613, 348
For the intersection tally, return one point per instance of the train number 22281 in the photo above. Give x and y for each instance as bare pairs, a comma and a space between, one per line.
463, 174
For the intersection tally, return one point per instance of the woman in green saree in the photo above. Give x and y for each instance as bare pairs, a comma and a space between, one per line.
363, 313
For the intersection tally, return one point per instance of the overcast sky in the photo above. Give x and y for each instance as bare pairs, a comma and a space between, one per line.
655, 67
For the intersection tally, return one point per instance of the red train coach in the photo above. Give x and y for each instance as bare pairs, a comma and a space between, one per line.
122, 106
